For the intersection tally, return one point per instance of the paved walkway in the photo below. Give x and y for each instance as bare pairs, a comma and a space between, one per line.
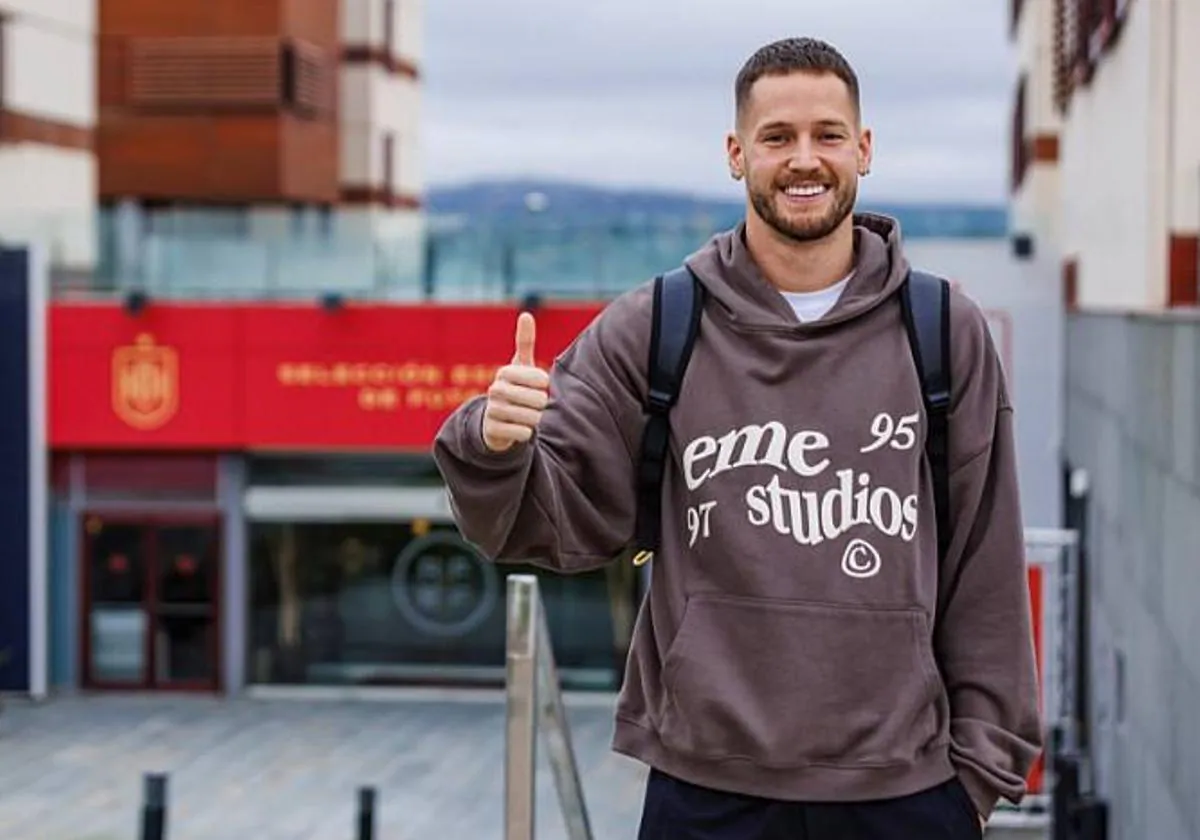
71, 769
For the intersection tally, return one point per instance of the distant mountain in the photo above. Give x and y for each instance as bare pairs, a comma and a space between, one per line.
518, 198
512, 202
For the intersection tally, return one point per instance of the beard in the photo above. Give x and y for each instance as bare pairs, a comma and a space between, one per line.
806, 227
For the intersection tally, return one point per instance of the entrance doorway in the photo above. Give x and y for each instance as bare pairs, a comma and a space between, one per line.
151, 602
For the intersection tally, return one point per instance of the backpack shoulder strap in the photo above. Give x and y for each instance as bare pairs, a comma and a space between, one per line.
678, 304
925, 302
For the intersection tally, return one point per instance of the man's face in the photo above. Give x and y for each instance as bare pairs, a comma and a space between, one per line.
799, 146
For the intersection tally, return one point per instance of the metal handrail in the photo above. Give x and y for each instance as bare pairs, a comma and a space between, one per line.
534, 698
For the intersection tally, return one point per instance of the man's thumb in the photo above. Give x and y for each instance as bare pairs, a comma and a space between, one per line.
526, 332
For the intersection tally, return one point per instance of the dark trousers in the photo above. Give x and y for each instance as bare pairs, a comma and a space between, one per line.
678, 810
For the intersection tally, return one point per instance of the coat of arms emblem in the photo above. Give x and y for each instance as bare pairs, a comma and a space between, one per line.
145, 383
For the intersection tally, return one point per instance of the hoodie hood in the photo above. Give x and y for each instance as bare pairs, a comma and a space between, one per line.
728, 271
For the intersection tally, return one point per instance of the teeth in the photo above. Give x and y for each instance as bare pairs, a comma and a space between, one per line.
806, 191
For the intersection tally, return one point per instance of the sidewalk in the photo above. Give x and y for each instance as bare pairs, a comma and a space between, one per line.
71, 769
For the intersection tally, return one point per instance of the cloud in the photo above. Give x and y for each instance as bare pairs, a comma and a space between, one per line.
639, 92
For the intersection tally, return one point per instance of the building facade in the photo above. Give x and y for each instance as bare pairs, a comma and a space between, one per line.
1106, 147
1106, 164
1036, 126
47, 129
273, 140
242, 496
380, 166
207, 531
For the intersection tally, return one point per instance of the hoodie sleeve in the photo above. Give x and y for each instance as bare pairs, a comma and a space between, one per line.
984, 637
564, 500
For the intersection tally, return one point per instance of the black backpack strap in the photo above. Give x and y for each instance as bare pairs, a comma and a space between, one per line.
678, 303
925, 303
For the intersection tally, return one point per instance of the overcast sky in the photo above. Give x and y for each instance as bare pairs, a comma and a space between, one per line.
639, 92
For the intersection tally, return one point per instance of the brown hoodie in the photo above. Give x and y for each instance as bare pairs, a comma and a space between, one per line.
798, 640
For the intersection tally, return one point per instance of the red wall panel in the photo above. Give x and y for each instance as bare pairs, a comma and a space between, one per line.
277, 376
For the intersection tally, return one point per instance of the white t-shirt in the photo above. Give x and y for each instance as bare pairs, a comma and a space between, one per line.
812, 306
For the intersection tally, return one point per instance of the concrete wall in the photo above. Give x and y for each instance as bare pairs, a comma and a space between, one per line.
1133, 423
48, 198
49, 60
1122, 202
48, 75
376, 103
1025, 312
1113, 171
1034, 206
364, 21
1184, 24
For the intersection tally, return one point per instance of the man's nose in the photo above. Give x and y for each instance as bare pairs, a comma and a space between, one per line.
802, 158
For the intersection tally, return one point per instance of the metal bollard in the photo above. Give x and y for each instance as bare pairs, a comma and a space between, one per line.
366, 813
1065, 797
154, 806
1090, 818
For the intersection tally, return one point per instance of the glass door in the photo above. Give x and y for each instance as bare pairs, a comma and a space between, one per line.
151, 604
184, 605
115, 639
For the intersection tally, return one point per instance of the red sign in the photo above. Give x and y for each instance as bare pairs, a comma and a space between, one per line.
197, 376
1036, 778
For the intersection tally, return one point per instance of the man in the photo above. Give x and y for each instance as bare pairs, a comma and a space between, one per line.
803, 665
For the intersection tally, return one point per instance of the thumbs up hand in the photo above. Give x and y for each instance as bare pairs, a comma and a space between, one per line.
518, 395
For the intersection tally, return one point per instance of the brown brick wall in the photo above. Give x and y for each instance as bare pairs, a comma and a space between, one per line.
177, 124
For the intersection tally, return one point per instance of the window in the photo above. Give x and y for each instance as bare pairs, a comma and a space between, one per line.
1084, 30
1020, 148
311, 221
205, 73
305, 78
365, 603
201, 73
389, 164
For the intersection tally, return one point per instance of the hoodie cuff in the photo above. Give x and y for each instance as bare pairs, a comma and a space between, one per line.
982, 795
482, 456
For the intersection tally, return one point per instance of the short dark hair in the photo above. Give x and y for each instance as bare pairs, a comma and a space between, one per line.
794, 55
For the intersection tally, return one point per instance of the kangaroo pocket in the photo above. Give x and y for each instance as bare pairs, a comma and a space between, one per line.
786, 684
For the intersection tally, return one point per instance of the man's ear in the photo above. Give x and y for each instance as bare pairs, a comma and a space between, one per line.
733, 151
866, 151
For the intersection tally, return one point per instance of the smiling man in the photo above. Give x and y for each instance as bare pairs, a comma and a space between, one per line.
836, 644
799, 139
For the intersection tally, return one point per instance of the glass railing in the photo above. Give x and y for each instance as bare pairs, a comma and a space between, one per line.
278, 255
426, 259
